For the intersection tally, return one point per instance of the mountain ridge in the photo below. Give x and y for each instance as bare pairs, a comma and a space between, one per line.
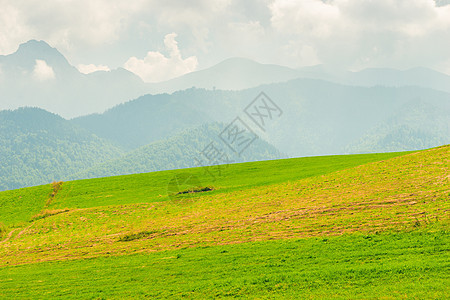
322, 117
71, 93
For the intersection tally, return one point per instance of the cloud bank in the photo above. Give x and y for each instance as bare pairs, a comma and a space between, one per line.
358, 34
155, 67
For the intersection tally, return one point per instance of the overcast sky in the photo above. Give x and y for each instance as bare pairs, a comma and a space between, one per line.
172, 37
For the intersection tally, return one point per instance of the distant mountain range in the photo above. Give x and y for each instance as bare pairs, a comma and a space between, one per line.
157, 132
319, 117
39, 75
309, 111
420, 77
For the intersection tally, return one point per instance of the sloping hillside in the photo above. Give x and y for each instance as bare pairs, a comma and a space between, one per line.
394, 193
20, 205
345, 226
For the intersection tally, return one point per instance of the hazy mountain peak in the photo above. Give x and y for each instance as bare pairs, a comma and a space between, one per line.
28, 53
57, 86
34, 45
231, 74
39, 49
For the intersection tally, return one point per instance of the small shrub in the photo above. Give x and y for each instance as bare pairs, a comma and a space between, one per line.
197, 190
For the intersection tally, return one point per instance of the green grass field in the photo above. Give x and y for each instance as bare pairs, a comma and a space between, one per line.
395, 265
356, 226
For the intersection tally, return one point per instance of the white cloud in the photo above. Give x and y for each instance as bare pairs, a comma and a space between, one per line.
13, 28
64, 24
359, 34
351, 33
157, 67
252, 30
309, 16
305, 55
42, 71
86, 69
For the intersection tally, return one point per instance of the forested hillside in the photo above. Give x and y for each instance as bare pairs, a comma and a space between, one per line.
318, 117
37, 147
416, 125
187, 149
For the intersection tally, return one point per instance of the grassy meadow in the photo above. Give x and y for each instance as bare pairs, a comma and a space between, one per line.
353, 226
21, 205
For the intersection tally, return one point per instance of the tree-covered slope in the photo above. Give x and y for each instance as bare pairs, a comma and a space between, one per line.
150, 118
37, 147
416, 125
318, 117
187, 149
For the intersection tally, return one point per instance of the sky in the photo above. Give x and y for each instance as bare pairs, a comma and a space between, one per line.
159, 40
